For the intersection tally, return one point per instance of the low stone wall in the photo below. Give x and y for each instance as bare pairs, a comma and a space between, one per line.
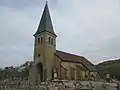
64, 85
24, 85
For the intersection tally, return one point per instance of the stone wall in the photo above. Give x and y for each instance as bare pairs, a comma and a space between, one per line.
76, 71
57, 85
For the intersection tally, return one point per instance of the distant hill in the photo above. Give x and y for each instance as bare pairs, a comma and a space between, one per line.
19, 71
109, 67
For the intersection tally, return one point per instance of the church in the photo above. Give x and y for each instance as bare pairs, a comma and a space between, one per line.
49, 63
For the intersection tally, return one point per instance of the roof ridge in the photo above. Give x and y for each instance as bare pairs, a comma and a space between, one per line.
70, 53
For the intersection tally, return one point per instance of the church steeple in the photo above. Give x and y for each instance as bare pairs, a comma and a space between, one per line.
45, 22
45, 47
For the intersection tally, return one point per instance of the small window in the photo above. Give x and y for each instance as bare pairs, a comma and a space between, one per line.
41, 40
49, 39
38, 40
38, 55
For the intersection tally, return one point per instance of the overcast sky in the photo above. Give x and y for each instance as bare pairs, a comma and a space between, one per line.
89, 28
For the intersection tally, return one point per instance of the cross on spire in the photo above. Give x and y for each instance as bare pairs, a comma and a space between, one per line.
46, 2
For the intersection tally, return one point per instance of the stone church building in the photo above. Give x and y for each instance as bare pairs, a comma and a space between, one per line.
50, 63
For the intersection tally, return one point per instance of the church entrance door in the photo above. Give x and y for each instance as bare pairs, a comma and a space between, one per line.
39, 72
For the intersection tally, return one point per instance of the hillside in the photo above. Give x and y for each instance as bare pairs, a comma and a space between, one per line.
111, 67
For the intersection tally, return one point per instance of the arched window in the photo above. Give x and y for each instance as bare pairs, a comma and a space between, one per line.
38, 40
49, 39
35, 41
52, 41
41, 40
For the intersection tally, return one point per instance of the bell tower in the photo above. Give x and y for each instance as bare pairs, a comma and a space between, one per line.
45, 45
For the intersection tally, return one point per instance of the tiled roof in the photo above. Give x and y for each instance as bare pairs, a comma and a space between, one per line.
45, 22
75, 58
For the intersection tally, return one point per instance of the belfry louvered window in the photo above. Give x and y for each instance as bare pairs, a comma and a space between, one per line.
52, 41
49, 39
38, 40
41, 40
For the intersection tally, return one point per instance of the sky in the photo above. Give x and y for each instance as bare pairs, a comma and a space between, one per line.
89, 28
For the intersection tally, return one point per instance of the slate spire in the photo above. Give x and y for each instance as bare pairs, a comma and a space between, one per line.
45, 22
